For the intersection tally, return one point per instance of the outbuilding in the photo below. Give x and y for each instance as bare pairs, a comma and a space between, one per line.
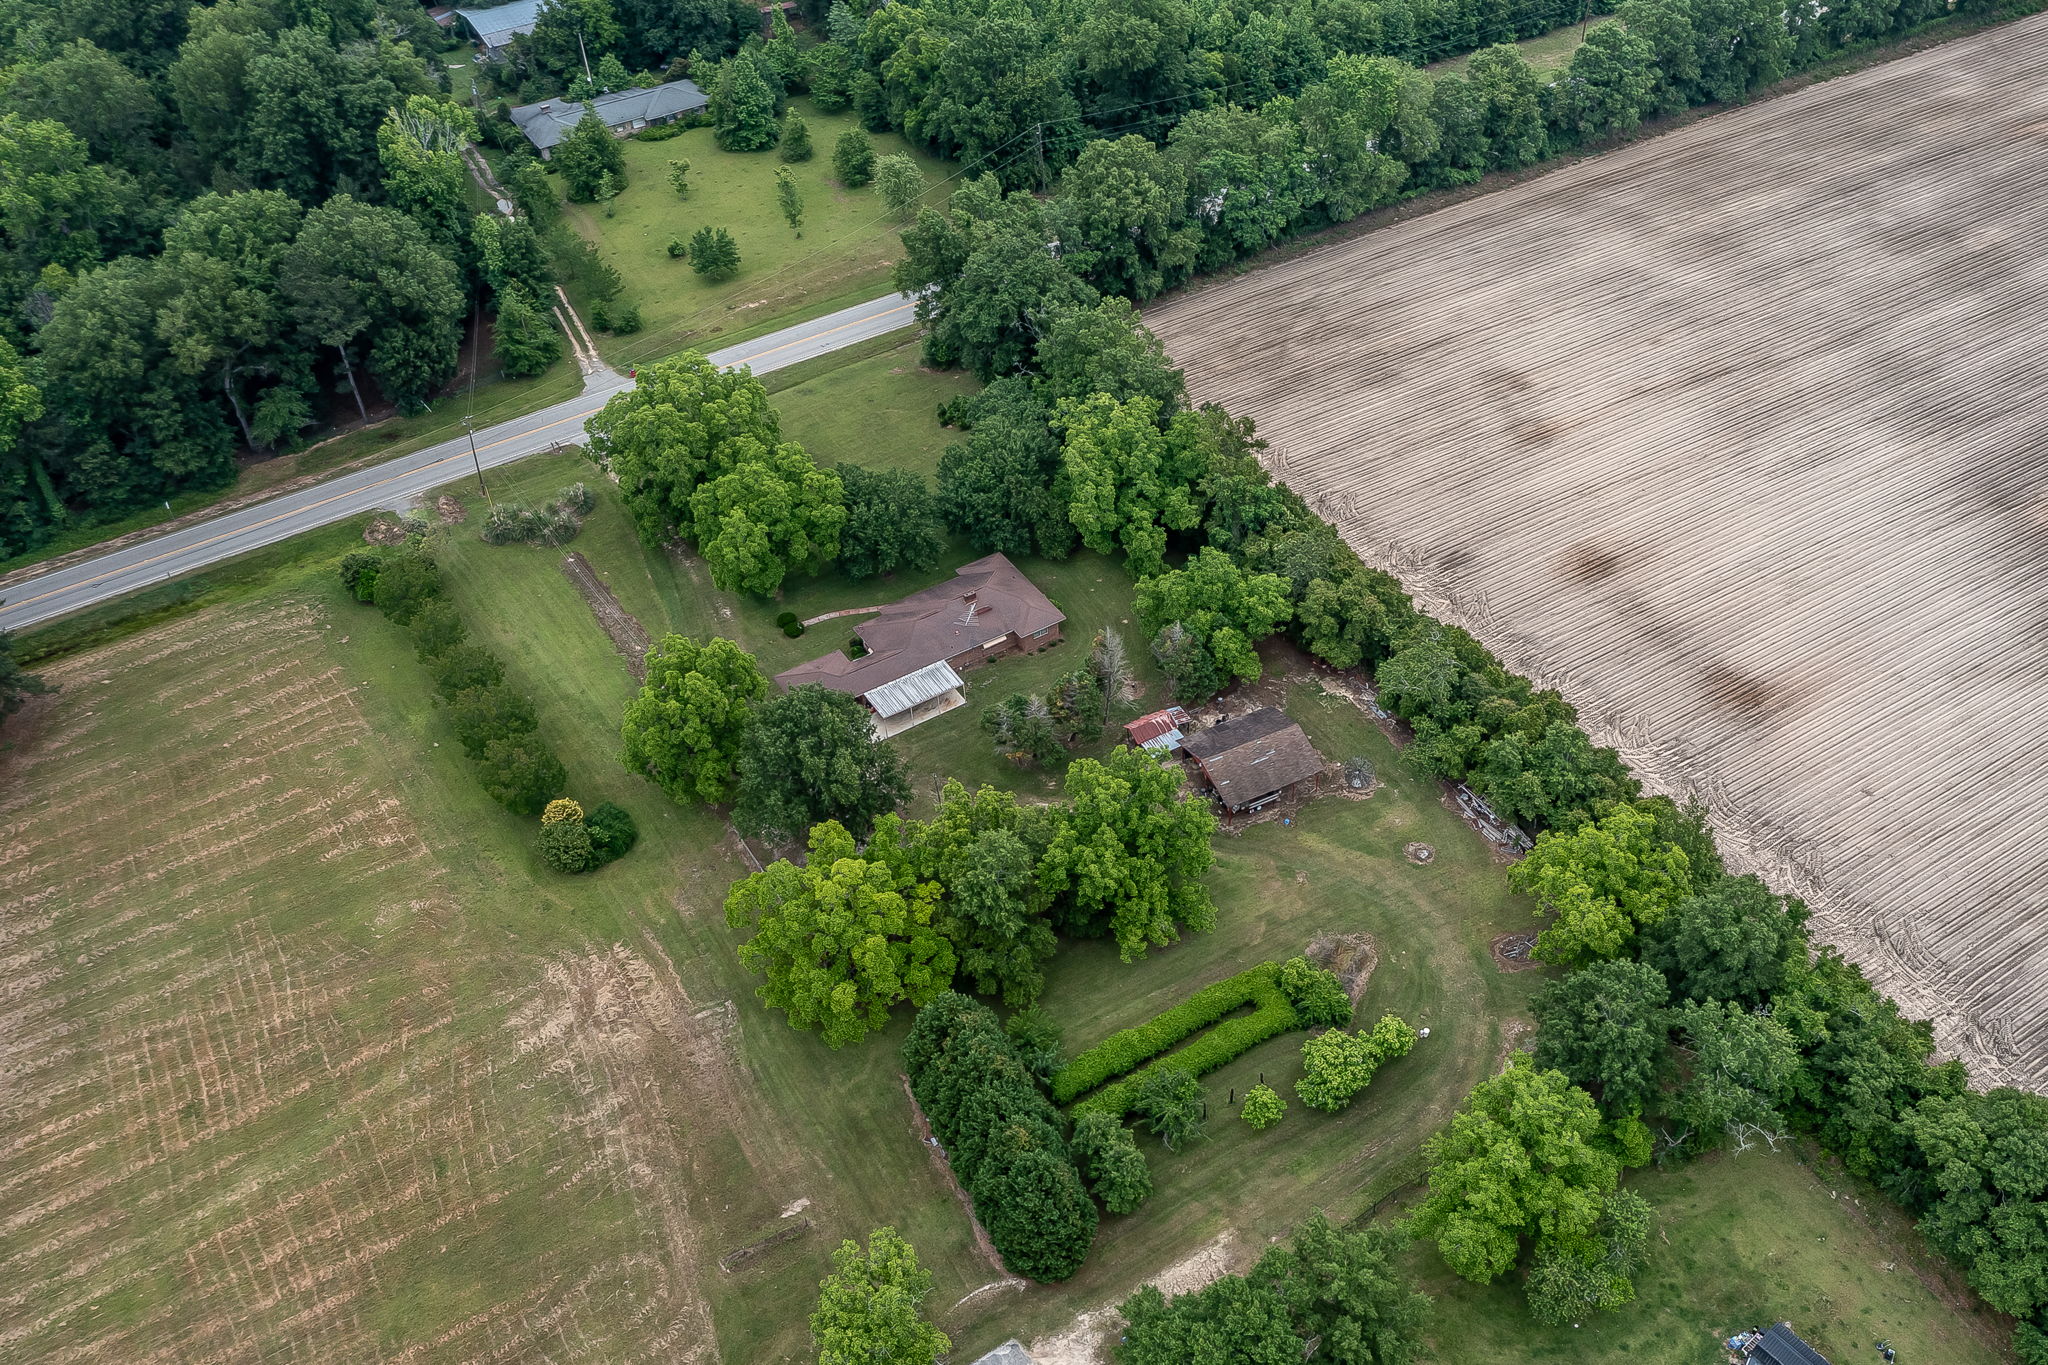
1253, 760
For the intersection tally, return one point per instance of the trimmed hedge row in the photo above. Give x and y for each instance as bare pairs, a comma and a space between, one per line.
1129, 1048
1273, 1015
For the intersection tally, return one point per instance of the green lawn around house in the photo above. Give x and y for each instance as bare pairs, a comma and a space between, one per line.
849, 242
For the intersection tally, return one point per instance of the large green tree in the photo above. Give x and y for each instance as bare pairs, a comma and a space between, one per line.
673, 430
1606, 1028
1518, 1159
811, 755
869, 1307
1131, 479
743, 106
1121, 215
1608, 85
1003, 487
366, 281
892, 522
838, 942
1224, 611
1600, 884
1735, 940
419, 145
1129, 854
772, 514
686, 727
587, 156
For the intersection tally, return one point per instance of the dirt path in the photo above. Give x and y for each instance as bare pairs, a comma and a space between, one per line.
626, 633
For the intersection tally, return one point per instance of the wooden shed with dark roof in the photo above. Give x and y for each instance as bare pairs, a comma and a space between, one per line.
1253, 760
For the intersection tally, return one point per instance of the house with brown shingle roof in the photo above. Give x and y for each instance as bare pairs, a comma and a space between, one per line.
918, 648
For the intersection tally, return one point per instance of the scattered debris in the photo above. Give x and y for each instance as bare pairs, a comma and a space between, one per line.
1511, 952
1418, 853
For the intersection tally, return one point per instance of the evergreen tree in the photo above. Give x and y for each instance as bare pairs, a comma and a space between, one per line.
526, 339
853, 158
743, 107
789, 200
714, 254
587, 155
796, 137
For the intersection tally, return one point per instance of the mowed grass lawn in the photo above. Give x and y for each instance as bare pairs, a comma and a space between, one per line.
1745, 1239
848, 247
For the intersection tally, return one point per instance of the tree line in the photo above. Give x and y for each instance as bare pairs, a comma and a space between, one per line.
223, 225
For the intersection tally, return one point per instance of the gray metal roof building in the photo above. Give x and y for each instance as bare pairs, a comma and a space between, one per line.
498, 25
624, 111
1780, 1345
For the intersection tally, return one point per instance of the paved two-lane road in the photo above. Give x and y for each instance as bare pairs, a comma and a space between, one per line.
394, 482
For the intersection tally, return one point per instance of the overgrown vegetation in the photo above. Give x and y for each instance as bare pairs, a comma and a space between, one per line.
495, 724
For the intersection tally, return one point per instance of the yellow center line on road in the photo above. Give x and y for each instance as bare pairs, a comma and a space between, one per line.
420, 469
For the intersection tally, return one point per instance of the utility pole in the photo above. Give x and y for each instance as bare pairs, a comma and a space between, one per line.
469, 430
582, 52
1038, 146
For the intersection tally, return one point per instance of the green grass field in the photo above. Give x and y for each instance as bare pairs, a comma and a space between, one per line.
382, 1085
1547, 52
1746, 1239
848, 247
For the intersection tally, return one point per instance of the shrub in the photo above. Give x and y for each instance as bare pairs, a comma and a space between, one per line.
662, 132
1129, 1048
562, 808
465, 666
625, 319
436, 629
359, 573
520, 774
1336, 1065
853, 159
794, 629
612, 831
578, 498
678, 249
1262, 1107
508, 524
786, 619
482, 714
404, 584
1106, 1153
1224, 1043
1316, 994
565, 846
1170, 1100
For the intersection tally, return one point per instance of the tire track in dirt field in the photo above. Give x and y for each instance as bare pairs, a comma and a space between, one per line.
251, 1094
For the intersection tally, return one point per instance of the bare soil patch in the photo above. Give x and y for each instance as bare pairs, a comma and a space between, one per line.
625, 632
450, 509
1727, 617
1087, 1342
1351, 956
384, 530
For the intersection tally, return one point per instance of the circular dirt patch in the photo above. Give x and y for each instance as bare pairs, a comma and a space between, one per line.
1511, 951
1419, 853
